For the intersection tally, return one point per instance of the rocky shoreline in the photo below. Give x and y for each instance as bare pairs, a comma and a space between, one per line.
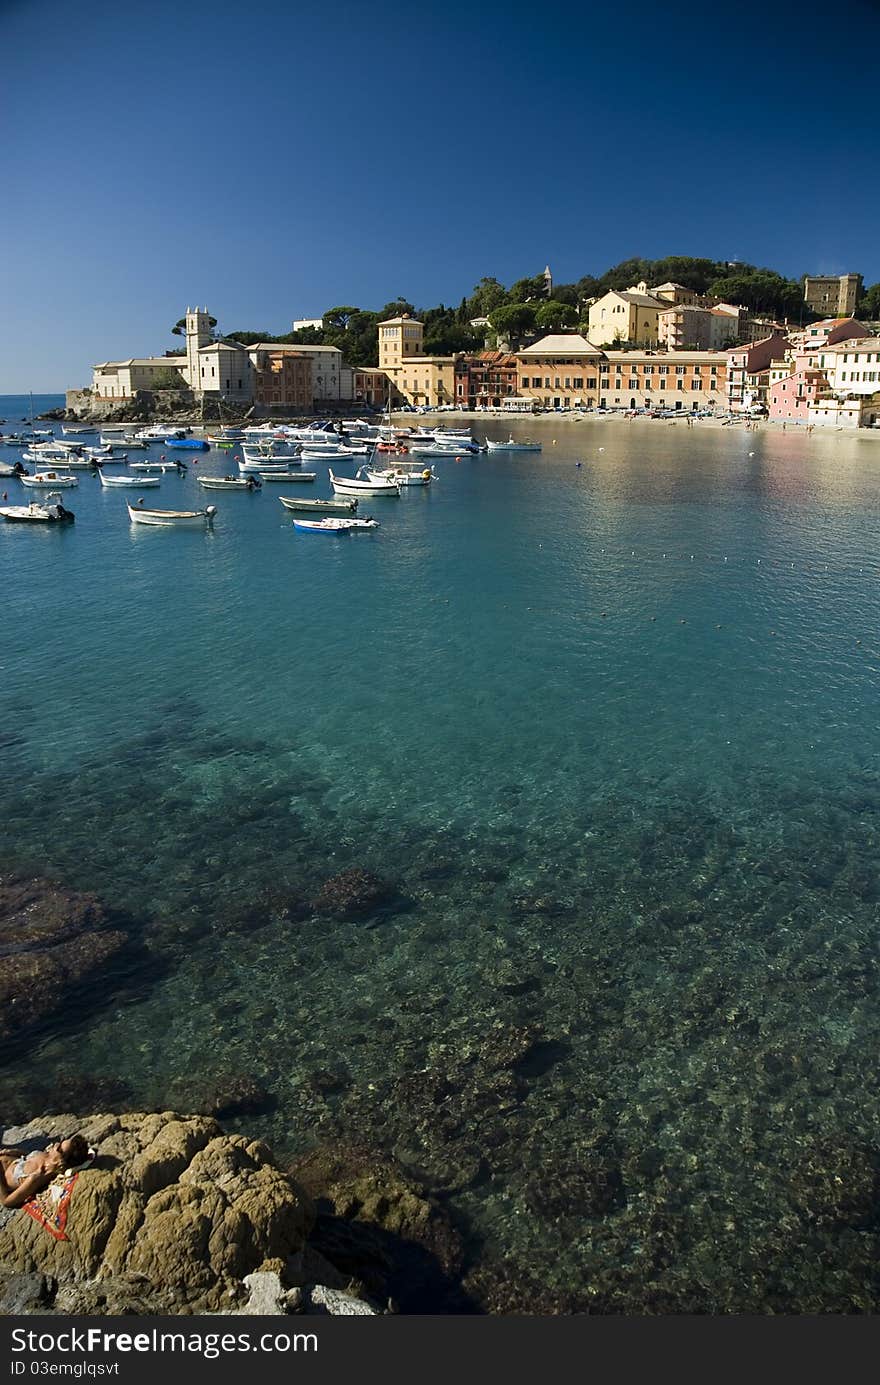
176, 1215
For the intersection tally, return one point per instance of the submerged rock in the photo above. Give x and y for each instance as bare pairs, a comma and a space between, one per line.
52, 941
354, 892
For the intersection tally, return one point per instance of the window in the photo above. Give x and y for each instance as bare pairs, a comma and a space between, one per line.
713, 370
696, 384
679, 384
663, 384
546, 382
536, 382
679, 370
648, 384
648, 369
578, 382
591, 382
663, 370
568, 382
556, 382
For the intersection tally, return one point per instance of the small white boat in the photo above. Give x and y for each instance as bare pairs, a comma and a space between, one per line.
128, 443
104, 451
264, 464
68, 429
333, 525
320, 507
361, 485
177, 519
160, 465
138, 481
45, 455
513, 446
424, 477
229, 483
52, 479
291, 476
47, 511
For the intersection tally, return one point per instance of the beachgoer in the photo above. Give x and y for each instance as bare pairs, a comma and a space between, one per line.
23, 1174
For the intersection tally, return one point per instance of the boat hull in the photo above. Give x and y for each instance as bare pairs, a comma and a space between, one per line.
318, 507
172, 519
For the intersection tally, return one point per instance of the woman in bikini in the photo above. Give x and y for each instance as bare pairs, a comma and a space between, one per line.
23, 1174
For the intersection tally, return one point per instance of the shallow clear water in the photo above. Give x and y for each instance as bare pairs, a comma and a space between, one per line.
611, 729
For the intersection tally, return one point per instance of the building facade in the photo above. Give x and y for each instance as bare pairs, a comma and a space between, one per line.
559, 371
122, 379
790, 395
631, 316
748, 370
282, 378
852, 367
568, 371
832, 295
485, 380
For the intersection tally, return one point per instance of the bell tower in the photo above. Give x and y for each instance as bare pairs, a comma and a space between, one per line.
198, 333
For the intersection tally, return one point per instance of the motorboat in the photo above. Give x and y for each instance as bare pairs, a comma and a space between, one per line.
264, 464
160, 433
50, 510
332, 525
128, 443
53, 479
138, 481
424, 477
291, 476
513, 446
318, 507
69, 429
177, 519
163, 464
361, 485
13, 469
230, 483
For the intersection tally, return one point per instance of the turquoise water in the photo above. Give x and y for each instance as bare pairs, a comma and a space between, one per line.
612, 732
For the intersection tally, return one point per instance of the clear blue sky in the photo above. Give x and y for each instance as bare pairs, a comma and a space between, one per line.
273, 160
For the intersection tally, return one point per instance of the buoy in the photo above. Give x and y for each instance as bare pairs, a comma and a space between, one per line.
601, 449
653, 618
682, 621
751, 454
577, 463
604, 614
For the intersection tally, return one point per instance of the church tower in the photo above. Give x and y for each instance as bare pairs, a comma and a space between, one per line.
548, 282
198, 333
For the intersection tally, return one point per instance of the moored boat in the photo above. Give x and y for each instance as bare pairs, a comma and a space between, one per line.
53, 479
50, 510
177, 519
331, 525
138, 481
229, 483
403, 477
291, 476
513, 446
318, 507
361, 485
188, 444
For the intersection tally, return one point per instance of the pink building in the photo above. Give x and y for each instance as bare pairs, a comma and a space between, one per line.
789, 399
748, 371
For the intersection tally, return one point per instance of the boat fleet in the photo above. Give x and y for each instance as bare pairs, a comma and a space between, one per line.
269, 453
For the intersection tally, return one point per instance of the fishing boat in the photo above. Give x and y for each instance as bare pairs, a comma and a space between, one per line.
513, 446
159, 433
69, 429
51, 510
331, 525
424, 477
361, 485
318, 507
177, 519
138, 481
291, 476
128, 443
104, 451
73, 463
53, 479
161, 465
230, 483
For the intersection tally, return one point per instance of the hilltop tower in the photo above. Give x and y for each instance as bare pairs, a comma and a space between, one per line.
198, 334
548, 282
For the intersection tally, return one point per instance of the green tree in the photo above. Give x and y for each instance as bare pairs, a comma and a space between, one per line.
525, 290
868, 309
487, 294
337, 319
398, 307
169, 379
513, 320
552, 316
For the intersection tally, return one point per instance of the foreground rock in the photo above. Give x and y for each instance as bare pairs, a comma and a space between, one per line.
52, 942
171, 1218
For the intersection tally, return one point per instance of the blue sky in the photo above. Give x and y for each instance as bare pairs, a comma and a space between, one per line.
274, 160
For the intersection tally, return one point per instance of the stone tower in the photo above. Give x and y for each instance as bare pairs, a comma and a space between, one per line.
198, 333
548, 282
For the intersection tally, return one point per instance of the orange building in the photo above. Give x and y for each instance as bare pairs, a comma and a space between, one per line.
282, 377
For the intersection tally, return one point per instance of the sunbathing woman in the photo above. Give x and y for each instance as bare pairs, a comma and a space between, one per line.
22, 1174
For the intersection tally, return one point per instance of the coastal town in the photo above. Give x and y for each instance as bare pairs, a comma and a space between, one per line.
656, 350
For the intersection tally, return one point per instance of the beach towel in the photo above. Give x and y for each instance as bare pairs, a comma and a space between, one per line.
50, 1207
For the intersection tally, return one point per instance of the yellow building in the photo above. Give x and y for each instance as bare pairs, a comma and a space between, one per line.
417, 378
629, 315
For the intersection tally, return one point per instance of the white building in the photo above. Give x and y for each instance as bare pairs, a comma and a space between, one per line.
852, 367
122, 379
300, 323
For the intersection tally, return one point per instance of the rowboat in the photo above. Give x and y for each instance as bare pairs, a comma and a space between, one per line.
318, 507
178, 519
69, 428
512, 446
361, 485
54, 479
263, 464
38, 512
127, 443
229, 483
288, 476
138, 481
332, 525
